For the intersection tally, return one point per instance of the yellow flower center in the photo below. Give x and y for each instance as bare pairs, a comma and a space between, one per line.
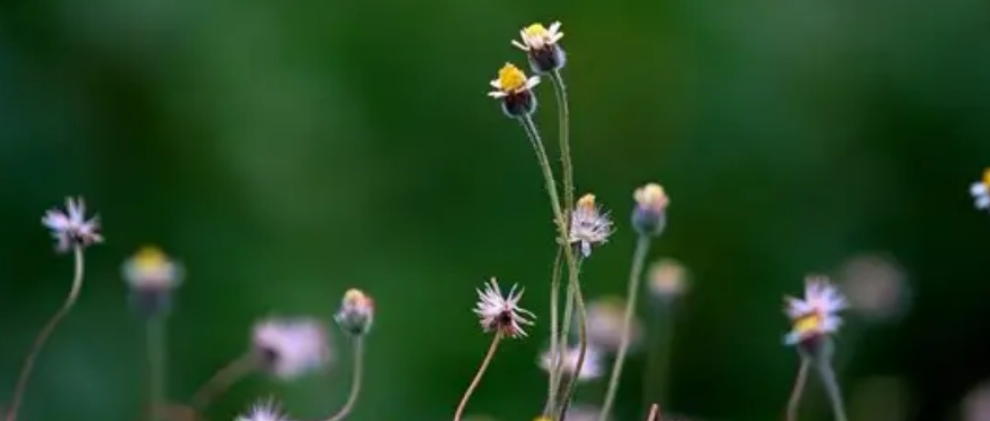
986, 177
536, 31
511, 79
586, 202
149, 258
808, 324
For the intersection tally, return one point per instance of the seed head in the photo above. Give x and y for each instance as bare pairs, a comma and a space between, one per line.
502, 313
289, 348
515, 91
540, 45
650, 214
70, 228
589, 226
357, 312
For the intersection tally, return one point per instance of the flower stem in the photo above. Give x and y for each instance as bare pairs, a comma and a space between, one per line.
157, 361
46, 331
355, 382
575, 298
224, 378
639, 257
555, 355
563, 118
477, 377
658, 365
827, 374
798, 391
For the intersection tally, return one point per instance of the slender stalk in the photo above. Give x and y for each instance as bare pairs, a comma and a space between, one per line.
654, 413
565, 391
157, 344
477, 377
224, 378
802, 378
355, 382
554, 334
639, 257
46, 331
565, 400
563, 119
832, 389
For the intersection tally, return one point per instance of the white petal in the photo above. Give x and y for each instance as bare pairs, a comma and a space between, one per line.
495, 84
520, 45
554, 28
532, 82
983, 202
497, 94
979, 189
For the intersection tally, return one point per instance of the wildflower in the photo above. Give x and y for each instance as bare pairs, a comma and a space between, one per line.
981, 191
357, 312
650, 215
816, 316
152, 276
606, 318
589, 226
502, 313
289, 348
876, 287
264, 411
540, 44
515, 90
70, 228
591, 367
668, 278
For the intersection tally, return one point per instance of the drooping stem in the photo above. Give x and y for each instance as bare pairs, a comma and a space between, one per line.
802, 378
639, 257
554, 334
46, 331
156, 343
355, 382
224, 378
832, 389
477, 377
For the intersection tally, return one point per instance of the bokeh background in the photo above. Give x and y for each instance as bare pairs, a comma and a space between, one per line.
286, 151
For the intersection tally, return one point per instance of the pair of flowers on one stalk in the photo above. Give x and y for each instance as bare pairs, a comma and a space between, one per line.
512, 87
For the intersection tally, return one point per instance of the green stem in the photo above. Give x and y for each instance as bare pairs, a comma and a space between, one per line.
565, 401
563, 118
832, 389
355, 383
798, 391
477, 377
223, 380
639, 257
554, 334
157, 361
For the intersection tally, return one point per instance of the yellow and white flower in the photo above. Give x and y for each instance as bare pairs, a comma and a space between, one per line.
512, 81
817, 314
981, 191
538, 37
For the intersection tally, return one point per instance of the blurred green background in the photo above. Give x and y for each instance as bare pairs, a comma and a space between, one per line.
286, 151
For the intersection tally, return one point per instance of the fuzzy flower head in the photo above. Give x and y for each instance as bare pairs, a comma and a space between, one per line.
500, 313
650, 214
152, 276
605, 323
264, 411
668, 279
589, 225
357, 312
816, 316
591, 367
540, 44
70, 228
981, 191
515, 90
289, 348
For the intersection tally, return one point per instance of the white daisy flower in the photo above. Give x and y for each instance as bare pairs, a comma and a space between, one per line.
540, 44
70, 228
589, 226
591, 367
512, 81
150, 268
502, 313
817, 314
264, 411
981, 191
289, 348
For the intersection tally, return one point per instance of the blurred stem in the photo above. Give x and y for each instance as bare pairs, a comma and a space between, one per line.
477, 377
654, 413
554, 333
355, 383
655, 381
574, 299
224, 378
157, 360
832, 389
802, 378
46, 331
639, 257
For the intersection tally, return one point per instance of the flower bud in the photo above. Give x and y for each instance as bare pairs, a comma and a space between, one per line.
650, 215
152, 276
357, 312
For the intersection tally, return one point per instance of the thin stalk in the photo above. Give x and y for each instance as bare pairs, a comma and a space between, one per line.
46, 331
477, 377
157, 344
565, 391
582, 313
355, 382
832, 389
802, 378
224, 378
554, 334
639, 257
563, 119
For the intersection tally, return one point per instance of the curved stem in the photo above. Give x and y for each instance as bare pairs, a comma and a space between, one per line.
46, 331
798, 391
827, 375
477, 377
355, 383
639, 257
224, 378
555, 355
157, 361
563, 118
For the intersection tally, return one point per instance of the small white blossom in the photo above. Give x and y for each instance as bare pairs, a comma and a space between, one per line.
264, 411
70, 228
502, 313
591, 367
291, 347
538, 37
981, 191
817, 313
589, 226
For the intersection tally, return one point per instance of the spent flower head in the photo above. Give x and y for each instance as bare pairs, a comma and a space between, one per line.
500, 313
650, 214
267, 410
541, 46
70, 228
589, 225
591, 368
357, 312
515, 91
816, 316
289, 348
152, 276
981, 191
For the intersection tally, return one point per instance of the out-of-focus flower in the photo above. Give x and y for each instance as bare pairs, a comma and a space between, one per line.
591, 368
70, 228
668, 279
589, 225
502, 313
540, 44
605, 322
584, 412
357, 312
816, 316
981, 191
264, 411
650, 214
975, 405
875, 286
515, 91
152, 276
289, 348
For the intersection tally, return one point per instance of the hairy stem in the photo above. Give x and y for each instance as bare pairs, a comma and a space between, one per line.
832, 389
795, 400
157, 344
46, 331
224, 378
355, 382
639, 257
563, 118
477, 377
554, 334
